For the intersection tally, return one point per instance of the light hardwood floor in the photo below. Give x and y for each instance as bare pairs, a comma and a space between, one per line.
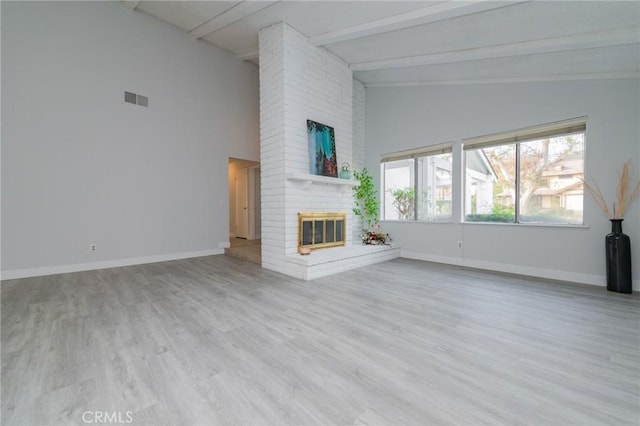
250, 250
217, 340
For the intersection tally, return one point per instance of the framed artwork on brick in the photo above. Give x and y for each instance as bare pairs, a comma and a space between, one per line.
322, 149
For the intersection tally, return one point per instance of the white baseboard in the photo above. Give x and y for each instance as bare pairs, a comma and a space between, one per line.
63, 269
431, 258
574, 277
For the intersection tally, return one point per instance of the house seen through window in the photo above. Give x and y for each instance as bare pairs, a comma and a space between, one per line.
531, 177
418, 187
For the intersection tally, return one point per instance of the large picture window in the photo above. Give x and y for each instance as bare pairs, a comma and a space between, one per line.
417, 184
528, 176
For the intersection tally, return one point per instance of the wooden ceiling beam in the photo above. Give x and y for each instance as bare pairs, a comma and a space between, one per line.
236, 13
616, 37
511, 79
249, 56
439, 12
130, 4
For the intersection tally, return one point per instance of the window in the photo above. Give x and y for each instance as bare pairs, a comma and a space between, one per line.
417, 184
399, 194
528, 176
434, 187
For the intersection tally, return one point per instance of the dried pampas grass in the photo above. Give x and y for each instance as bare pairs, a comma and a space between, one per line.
626, 192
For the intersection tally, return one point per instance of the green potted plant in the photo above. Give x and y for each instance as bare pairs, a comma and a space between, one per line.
367, 207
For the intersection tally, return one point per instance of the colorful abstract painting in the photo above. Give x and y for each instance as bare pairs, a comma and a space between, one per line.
322, 149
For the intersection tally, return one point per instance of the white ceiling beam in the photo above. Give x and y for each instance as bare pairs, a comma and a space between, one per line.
236, 13
528, 79
248, 56
130, 4
617, 37
441, 11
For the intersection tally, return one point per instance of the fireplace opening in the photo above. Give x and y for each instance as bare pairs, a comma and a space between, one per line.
321, 230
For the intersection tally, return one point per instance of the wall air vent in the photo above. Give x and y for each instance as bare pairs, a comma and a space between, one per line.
142, 101
136, 99
130, 97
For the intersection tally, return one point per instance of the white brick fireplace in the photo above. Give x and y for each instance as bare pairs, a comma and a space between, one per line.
299, 81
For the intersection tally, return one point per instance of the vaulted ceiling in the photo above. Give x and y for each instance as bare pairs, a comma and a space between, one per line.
399, 43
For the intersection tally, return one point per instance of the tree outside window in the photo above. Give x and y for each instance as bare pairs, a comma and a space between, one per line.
428, 198
398, 195
530, 175
542, 176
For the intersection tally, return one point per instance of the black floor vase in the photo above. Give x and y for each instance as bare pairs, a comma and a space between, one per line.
618, 246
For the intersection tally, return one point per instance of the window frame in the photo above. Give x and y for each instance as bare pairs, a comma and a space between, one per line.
414, 154
550, 130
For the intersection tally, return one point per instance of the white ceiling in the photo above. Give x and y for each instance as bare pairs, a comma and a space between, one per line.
396, 43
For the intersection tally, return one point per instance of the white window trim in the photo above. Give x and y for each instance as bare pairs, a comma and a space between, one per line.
555, 129
415, 153
558, 128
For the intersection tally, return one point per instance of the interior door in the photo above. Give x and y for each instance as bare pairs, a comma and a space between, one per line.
257, 205
254, 202
242, 203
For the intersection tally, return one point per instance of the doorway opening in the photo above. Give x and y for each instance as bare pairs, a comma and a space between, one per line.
244, 210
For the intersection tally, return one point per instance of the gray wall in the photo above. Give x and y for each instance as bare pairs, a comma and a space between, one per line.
80, 166
403, 118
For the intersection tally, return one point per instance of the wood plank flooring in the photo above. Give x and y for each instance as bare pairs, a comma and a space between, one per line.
250, 250
217, 341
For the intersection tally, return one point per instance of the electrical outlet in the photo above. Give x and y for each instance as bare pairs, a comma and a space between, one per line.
459, 244
92, 247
